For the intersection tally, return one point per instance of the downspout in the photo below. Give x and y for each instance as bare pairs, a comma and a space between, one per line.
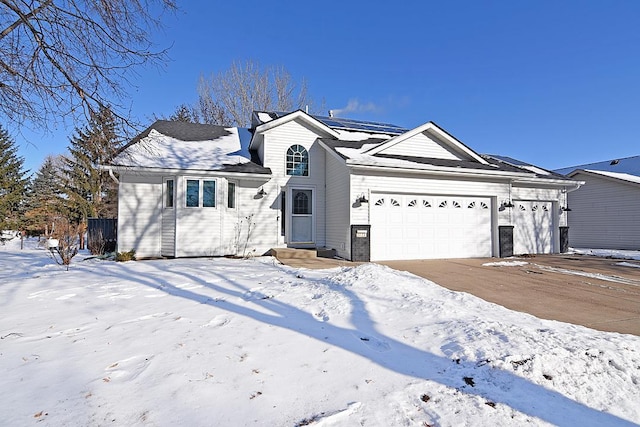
113, 177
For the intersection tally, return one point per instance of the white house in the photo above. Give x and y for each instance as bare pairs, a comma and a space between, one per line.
605, 211
369, 191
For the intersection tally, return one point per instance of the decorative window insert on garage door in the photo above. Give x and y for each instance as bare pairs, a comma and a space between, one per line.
532, 227
425, 226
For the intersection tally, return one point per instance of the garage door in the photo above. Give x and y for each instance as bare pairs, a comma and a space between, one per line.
532, 227
422, 227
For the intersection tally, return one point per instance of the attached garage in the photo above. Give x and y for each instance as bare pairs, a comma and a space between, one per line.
533, 226
429, 226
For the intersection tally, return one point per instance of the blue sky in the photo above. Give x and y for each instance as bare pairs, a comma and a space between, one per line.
553, 83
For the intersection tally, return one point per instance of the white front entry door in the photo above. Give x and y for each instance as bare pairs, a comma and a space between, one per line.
301, 216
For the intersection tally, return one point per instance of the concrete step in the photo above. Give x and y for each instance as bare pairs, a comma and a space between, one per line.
281, 253
292, 253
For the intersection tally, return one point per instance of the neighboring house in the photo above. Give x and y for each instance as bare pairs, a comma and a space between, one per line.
605, 212
370, 191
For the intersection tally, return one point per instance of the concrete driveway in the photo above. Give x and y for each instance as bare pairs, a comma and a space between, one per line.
599, 293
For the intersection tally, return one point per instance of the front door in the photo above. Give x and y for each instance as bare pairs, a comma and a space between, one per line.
301, 216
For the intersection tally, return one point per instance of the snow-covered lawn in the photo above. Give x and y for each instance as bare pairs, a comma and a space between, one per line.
221, 342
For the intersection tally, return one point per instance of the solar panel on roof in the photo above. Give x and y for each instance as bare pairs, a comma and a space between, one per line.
350, 124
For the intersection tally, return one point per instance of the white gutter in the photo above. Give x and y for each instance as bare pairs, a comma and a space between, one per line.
433, 170
573, 184
142, 170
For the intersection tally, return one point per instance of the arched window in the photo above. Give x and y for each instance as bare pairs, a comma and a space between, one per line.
297, 161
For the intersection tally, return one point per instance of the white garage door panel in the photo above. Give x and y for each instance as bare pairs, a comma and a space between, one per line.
423, 227
532, 227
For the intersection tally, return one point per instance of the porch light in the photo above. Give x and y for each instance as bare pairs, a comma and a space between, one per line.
507, 204
565, 209
261, 192
362, 199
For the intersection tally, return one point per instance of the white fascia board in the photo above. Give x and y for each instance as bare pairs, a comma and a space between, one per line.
441, 170
298, 114
162, 171
440, 133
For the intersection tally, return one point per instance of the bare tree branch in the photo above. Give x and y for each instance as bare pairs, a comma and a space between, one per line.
229, 97
68, 58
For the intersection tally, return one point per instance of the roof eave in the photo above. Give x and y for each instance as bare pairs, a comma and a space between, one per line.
177, 171
603, 176
298, 114
429, 169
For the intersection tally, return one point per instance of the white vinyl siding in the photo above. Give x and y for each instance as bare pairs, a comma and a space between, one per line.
337, 207
276, 142
253, 227
605, 214
140, 215
421, 145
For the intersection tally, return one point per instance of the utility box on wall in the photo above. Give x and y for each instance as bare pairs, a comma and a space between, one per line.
361, 243
505, 237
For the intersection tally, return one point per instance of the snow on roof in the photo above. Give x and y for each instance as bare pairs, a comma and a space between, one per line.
346, 135
519, 163
157, 150
628, 165
264, 117
620, 176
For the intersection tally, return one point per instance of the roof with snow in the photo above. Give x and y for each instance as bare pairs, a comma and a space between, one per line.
181, 145
627, 165
634, 179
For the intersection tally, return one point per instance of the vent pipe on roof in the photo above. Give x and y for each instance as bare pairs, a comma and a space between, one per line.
330, 113
306, 109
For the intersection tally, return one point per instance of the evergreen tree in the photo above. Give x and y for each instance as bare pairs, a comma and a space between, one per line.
45, 202
184, 113
13, 184
91, 191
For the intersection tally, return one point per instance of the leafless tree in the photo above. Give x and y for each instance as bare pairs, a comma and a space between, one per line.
229, 97
62, 58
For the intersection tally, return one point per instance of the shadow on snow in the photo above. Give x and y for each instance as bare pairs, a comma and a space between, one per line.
542, 403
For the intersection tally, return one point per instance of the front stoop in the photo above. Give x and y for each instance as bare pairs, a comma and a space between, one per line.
320, 258
289, 253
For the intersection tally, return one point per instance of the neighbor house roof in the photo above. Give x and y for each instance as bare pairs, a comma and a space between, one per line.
180, 145
625, 177
626, 165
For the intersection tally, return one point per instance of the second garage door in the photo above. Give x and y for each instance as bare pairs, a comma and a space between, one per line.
427, 227
532, 227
